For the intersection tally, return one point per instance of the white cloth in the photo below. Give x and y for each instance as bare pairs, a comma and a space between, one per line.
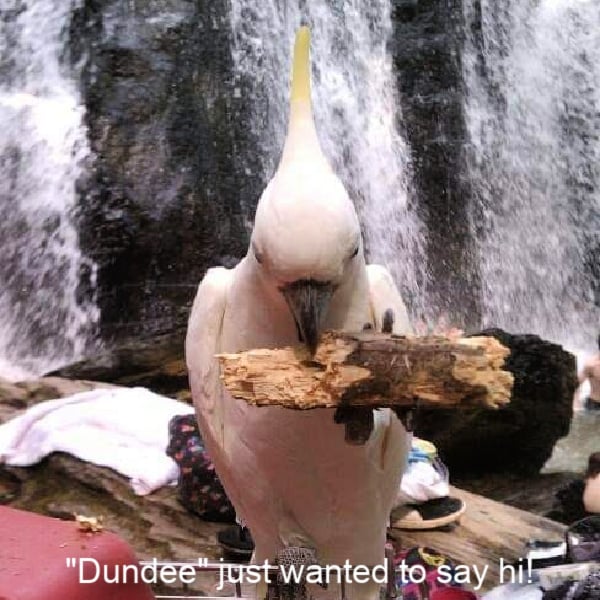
125, 429
422, 482
513, 591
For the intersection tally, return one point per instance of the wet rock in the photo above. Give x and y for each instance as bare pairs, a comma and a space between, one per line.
15, 397
517, 439
532, 493
427, 52
163, 199
155, 362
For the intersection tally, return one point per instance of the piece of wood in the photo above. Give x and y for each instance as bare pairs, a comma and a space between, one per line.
375, 370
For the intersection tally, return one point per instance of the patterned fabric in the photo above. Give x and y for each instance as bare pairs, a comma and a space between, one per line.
430, 560
422, 451
588, 589
583, 540
198, 487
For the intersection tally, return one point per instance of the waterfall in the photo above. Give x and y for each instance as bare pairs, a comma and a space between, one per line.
356, 112
532, 79
44, 319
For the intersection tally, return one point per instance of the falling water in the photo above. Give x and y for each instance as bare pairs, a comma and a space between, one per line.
43, 144
532, 75
356, 111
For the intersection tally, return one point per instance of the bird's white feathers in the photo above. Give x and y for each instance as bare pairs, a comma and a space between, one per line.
299, 205
290, 474
384, 295
305, 198
204, 342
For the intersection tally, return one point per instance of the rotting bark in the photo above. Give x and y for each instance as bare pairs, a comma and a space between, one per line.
371, 369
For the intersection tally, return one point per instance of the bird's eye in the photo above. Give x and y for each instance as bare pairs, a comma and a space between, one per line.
257, 255
355, 252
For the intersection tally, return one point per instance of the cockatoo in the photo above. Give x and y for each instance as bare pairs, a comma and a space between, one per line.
293, 478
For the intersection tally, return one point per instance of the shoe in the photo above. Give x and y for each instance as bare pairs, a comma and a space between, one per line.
545, 553
236, 540
432, 514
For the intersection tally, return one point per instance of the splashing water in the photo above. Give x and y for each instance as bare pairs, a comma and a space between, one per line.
43, 144
355, 107
532, 75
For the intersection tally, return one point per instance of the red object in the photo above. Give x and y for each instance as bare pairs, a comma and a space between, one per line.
452, 594
34, 556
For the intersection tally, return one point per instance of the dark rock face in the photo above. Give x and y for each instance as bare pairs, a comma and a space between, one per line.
16, 397
519, 438
155, 362
162, 203
427, 51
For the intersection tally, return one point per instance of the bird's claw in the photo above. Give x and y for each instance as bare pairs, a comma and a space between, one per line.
359, 423
406, 416
387, 323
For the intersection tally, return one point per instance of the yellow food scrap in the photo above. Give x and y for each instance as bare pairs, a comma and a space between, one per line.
90, 524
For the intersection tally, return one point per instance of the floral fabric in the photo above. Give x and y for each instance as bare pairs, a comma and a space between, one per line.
199, 488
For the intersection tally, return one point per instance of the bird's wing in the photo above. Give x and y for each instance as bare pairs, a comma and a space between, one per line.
384, 295
203, 341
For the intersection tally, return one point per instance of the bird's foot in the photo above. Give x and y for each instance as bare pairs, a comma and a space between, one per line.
359, 423
291, 580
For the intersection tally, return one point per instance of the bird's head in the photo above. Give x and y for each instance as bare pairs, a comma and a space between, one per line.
306, 239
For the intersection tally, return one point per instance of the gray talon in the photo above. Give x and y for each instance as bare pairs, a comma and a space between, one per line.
388, 321
359, 423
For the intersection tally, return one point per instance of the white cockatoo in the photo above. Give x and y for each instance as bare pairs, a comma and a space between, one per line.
293, 478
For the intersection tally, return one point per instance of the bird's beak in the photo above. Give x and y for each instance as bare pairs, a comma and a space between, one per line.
308, 301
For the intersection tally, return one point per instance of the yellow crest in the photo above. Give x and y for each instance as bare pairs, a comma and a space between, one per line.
301, 69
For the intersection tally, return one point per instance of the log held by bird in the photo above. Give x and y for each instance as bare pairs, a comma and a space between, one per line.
375, 370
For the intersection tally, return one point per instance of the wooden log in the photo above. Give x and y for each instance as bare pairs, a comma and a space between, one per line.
374, 370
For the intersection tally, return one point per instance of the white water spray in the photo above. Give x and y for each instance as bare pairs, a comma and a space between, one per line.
356, 112
532, 75
43, 145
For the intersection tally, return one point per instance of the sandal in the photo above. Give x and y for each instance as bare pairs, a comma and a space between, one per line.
432, 514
